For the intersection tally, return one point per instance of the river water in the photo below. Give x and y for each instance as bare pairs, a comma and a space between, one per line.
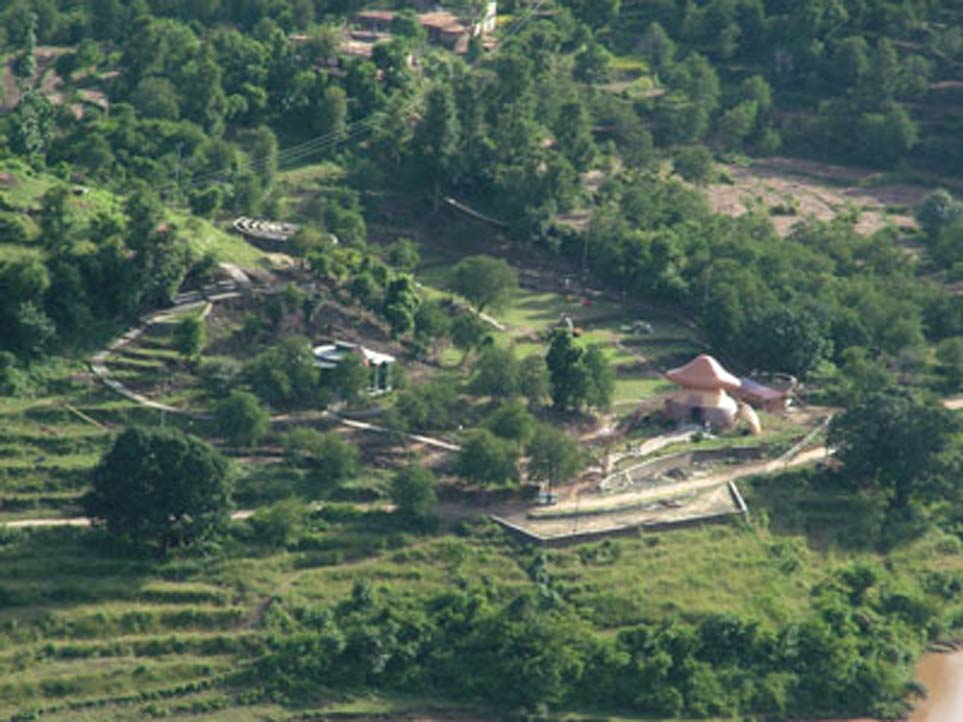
943, 676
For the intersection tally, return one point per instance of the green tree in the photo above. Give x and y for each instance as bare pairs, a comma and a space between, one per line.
657, 48
593, 63
787, 339
31, 125
331, 119
485, 281
55, 225
432, 324
323, 45
553, 456
413, 492
284, 374
329, 458
160, 487
573, 132
405, 24
434, 146
25, 66
403, 255
566, 374
533, 381
949, 353
486, 459
401, 303
262, 146
190, 337
241, 419
737, 123
694, 164
351, 378
365, 289
432, 406
281, 524
307, 242
468, 332
495, 372
601, 378
891, 441
511, 421
887, 136
938, 209
156, 98
33, 333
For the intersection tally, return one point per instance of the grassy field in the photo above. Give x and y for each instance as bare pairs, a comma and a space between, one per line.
25, 192
138, 639
531, 314
89, 634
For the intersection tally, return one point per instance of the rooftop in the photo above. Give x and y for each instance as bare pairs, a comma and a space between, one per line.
330, 354
703, 372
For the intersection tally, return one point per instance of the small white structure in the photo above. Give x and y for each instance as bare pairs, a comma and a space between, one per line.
488, 21
328, 356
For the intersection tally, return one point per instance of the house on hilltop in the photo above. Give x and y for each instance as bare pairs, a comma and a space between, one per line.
442, 27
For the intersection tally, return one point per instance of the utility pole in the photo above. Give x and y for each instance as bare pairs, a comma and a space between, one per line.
705, 294
177, 169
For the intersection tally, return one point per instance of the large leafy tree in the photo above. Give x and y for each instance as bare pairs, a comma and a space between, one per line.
892, 441
495, 372
160, 487
485, 281
553, 456
486, 459
565, 372
435, 142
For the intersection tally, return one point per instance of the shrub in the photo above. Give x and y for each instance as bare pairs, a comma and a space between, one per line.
486, 459
241, 419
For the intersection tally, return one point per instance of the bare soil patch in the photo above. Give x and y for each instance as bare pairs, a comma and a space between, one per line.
792, 189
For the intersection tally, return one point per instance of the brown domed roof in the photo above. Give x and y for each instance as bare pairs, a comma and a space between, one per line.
703, 372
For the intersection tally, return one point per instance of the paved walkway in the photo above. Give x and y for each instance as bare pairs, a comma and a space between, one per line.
645, 496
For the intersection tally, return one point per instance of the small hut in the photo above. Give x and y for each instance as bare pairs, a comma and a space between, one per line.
328, 356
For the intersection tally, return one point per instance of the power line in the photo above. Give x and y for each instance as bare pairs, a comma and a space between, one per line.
331, 139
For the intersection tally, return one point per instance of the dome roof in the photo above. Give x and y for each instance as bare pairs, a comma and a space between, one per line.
703, 372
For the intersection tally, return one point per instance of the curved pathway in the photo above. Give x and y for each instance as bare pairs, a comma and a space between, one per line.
98, 365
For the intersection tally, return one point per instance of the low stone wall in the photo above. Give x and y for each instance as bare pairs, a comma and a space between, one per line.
630, 530
650, 470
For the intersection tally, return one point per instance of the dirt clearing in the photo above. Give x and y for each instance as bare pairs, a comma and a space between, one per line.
792, 189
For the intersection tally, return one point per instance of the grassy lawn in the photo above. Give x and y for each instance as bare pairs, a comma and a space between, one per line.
531, 314
629, 64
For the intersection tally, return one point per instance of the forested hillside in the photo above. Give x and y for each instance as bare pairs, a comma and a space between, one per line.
499, 223
192, 103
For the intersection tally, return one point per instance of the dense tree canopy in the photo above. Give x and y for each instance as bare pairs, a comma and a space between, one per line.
892, 441
160, 487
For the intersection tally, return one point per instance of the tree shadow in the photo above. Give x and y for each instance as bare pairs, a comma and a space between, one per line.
810, 503
52, 570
